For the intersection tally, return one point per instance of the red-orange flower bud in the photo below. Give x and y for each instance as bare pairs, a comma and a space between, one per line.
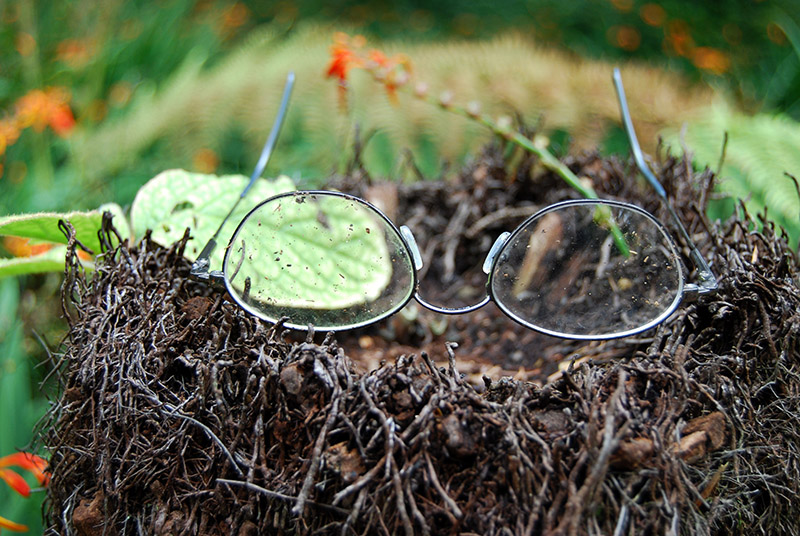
16, 482
36, 465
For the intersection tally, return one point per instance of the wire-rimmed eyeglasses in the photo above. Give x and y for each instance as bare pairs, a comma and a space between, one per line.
584, 269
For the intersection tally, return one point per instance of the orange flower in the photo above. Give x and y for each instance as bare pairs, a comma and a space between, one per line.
678, 38
9, 132
393, 71
205, 160
31, 463
234, 17
75, 52
379, 58
24, 460
49, 107
653, 14
343, 58
625, 37
346, 53
711, 59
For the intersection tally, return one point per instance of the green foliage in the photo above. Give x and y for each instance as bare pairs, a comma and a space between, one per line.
312, 252
742, 45
168, 204
760, 150
188, 85
42, 228
209, 108
161, 86
19, 409
51, 260
175, 200
102, 53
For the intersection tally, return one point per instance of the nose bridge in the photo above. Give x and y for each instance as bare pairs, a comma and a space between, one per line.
411, 243
450, 310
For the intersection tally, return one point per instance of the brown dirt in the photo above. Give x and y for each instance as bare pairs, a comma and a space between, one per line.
180, 414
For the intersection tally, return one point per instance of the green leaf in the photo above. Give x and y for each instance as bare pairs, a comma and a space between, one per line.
51, 260
175, 200
322, 252
43, 226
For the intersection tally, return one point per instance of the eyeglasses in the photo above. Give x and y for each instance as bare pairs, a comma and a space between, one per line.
586, 269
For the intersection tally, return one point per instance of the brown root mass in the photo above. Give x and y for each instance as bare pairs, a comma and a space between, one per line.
180, 414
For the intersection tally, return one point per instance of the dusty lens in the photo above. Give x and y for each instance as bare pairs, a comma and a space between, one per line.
588, 269
319, 258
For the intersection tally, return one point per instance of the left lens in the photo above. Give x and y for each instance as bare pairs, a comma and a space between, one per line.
319, 258
588, 270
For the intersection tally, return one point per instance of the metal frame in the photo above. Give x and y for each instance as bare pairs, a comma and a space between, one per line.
412, 253
328, 193
607, 202
707, 283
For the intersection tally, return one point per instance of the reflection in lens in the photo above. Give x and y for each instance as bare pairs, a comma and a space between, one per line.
318, 258
562, 272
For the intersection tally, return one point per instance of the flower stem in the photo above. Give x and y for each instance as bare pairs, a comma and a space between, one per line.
394, 73
43, 170
547, 159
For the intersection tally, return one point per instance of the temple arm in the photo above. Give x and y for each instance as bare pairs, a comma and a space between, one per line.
707, 279
200, 267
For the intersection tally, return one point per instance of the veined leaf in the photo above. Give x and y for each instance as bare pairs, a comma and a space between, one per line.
322, 252
176, 199
43, 226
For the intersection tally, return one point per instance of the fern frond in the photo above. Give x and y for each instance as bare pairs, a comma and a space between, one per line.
760, 150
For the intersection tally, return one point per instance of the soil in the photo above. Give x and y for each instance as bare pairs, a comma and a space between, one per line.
181, 414
456, 222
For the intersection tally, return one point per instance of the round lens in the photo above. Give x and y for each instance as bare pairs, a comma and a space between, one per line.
319, 258
588, 270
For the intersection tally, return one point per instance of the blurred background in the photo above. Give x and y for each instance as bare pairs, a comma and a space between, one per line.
96, 98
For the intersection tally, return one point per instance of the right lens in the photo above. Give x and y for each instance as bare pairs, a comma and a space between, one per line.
588, 270
320, 258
